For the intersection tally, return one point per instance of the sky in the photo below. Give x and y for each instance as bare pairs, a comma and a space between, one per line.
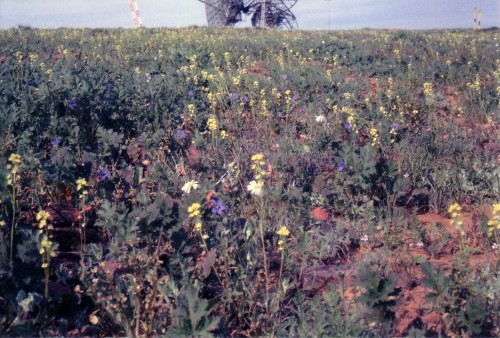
310, 14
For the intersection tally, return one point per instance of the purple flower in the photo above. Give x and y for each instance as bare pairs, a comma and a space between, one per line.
234, 96
55, 141
244, 99
295, 97
190, 92
180, 133
395, 126
102, 173
341, 166
348, 126
218, 207
71, 103
140, 139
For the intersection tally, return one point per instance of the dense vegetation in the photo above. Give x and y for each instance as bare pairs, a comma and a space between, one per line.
212, 181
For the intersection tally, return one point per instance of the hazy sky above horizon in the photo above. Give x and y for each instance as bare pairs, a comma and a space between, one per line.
311, 14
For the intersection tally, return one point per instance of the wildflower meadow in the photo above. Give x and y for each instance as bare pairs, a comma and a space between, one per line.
222, 182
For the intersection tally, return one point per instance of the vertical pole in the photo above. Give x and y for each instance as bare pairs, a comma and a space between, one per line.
479, 15
474, 14
263, 23
136, 15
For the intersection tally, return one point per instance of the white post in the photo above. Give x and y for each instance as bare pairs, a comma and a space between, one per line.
263, 23
136, 15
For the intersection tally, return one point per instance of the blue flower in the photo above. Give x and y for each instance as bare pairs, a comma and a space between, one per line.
234, 96
140, 139
55, 141
72, 103
341, 166
190, 92
295, 97
180, 133
244, 99
102, 173
347, 126
218, 207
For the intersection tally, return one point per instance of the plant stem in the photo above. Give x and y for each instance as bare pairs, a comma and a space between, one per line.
261, 228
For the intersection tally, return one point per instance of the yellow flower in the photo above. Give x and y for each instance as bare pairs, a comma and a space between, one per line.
212, 124
454, 209
194, 210
42, 216
190, 185
15, 158
197, 226
255, 187
258, 157
80, 183
94, 320
283, 231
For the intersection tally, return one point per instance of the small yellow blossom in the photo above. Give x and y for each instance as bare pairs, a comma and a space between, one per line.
494, 222
15, 158
194, 210
42, 216
80, 184
94, 320
454, 209
283, 231
212, 124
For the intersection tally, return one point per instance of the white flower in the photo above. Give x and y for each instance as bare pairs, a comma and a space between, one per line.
364, 238
494, 246
321, 118
255, 187
420, 245
190, 185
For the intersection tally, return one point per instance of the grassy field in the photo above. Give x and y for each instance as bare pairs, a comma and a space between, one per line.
243, 183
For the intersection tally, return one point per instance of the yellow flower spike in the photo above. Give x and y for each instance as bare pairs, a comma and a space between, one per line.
80, 183
194, 210
197, 226
454, 208
15, 158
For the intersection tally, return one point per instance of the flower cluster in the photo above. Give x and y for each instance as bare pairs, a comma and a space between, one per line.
374, 136
42, 216
283, 232
81, 183
194, 212
212, 124
13, 167
494, 222
255, 187
456, 220
46, 247
428, 89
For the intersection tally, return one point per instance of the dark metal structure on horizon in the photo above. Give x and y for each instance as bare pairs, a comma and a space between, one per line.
263, 13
